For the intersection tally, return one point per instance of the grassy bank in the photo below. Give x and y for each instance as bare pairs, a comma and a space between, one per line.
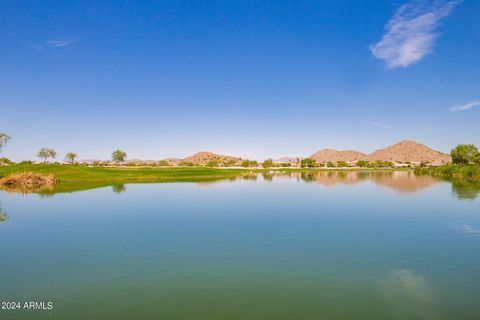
73, 173
452, 171
76, 173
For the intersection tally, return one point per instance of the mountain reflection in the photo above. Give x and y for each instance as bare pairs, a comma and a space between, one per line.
401, 181
405, 182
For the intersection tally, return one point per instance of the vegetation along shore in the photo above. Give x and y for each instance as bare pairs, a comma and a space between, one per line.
462, 163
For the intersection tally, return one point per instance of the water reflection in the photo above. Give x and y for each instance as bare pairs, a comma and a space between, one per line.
119, 188
401, 181
465, 189
3, 215
408, 295
405, 182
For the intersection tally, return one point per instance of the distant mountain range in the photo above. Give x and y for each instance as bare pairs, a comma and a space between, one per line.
404, 151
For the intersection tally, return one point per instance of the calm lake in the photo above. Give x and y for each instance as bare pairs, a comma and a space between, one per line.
323, 245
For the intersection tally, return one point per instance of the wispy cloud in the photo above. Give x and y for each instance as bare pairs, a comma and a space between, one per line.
466, 106
379, 124
59, 43
411, 32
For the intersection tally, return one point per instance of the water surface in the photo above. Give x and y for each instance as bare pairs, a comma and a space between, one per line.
326, 245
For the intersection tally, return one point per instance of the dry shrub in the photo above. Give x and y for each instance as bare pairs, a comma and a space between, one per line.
25, 182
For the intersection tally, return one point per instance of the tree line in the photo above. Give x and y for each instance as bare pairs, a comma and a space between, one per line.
46, 153
462, 154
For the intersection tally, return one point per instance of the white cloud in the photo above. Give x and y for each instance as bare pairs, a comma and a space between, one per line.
466, 106
59, 43
411, 32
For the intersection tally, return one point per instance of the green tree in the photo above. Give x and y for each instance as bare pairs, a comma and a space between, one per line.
342, 164
249, 163
71, 156
119, 155
267, 163
163, 163
212, 163
362, 163
229, 163
476, 158
330, 164
463, 153
308, 163
6, 162
46, 153
3, 139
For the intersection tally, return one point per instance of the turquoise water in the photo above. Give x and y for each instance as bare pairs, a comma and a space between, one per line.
311, 246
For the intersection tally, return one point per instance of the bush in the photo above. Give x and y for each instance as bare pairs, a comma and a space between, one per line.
26, 182
362, 163
212, 163
342, 164
267, 163
476, 158
469, 172
163, 163
6, 162
229, 163
249, 163
330, 164
186, 164
382, 164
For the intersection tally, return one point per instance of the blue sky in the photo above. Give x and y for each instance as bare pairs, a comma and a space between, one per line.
251, 78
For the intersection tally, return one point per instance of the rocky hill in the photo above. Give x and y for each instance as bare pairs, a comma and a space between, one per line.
409, 151
202, 158
404, 151
332, 155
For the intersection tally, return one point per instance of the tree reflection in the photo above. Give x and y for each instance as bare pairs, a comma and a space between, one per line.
267, 177
465, 189
3, 215
118, 188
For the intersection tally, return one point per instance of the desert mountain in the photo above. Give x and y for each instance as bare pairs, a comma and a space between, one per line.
409, 151
202, 158
332, 155
404, 151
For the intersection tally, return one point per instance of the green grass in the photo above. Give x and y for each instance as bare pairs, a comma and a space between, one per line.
452, 171
74, 173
